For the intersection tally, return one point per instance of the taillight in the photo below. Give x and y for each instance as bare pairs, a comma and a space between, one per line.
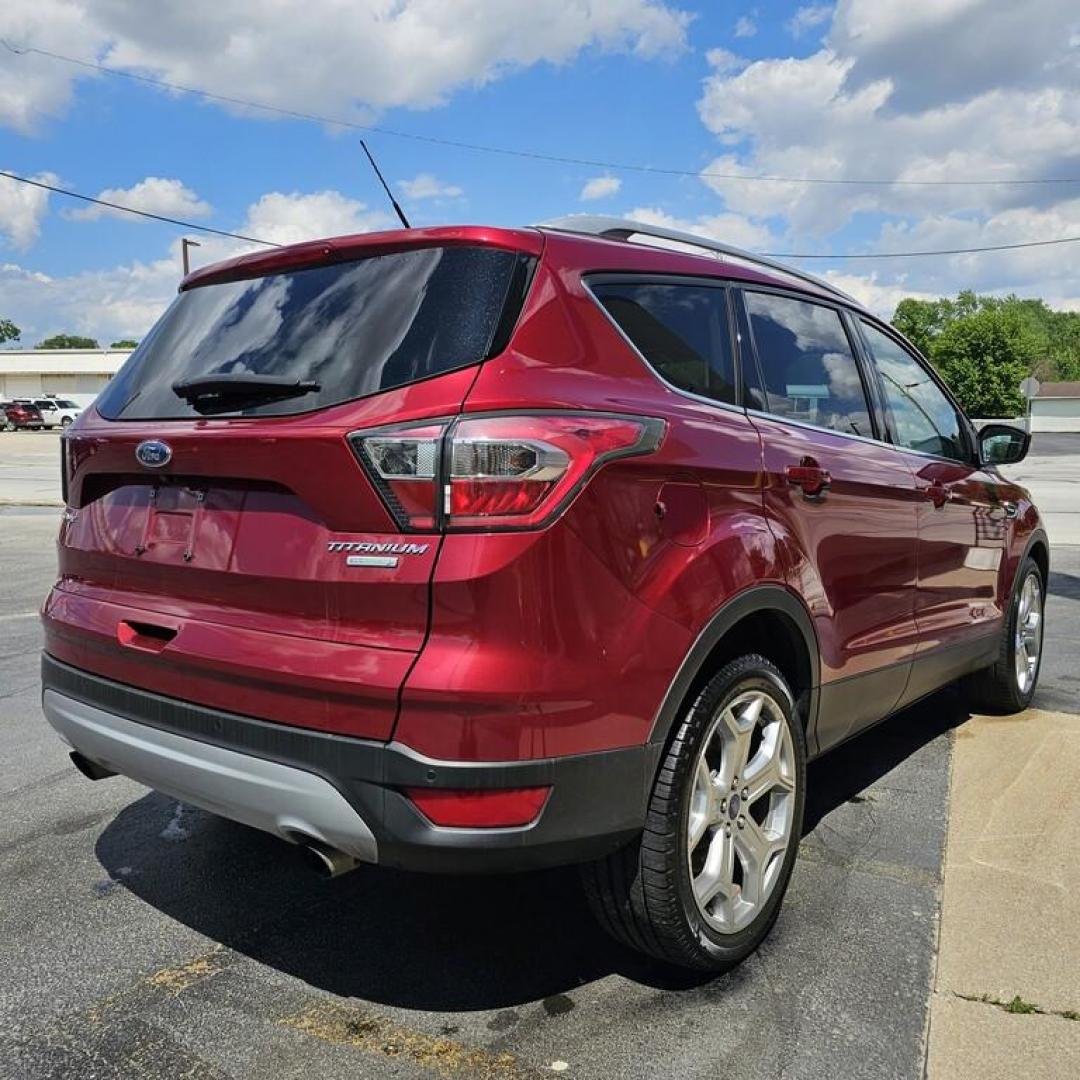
65, 468
404, 466
495, 472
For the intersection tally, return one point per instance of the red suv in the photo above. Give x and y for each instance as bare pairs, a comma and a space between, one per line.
20, 415
481, 549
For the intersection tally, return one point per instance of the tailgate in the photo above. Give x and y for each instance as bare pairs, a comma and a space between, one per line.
224, 545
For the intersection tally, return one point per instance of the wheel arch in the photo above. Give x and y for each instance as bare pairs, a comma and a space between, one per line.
1038, 548
766, 619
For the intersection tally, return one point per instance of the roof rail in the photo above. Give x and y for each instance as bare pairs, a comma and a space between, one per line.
613, 228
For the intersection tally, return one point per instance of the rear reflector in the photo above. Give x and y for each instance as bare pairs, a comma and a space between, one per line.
495, 472
471, 809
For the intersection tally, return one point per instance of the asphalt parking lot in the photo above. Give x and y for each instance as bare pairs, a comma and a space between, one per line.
139, 937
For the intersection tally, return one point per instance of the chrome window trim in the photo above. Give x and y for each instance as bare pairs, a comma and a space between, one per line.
713, 283
817, 427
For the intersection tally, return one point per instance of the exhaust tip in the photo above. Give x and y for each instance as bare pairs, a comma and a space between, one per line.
90, 769
327, 861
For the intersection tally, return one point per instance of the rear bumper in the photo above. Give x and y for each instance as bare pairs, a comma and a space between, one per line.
346, 792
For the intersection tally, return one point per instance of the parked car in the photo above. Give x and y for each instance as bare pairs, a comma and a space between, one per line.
480, 549
55, 412
18, 416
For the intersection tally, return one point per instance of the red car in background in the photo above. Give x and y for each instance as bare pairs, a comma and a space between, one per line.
477, 549
20, 416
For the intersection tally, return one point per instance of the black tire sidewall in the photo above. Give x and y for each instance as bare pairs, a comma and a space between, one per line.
727, 948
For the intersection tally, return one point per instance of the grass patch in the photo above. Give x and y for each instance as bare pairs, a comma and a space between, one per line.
1019, 1007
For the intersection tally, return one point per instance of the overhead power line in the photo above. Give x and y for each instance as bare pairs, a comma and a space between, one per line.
134, 210
923, 254
768, 254
534, 155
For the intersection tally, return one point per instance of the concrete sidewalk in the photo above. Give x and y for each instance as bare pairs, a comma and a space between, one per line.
1006, 995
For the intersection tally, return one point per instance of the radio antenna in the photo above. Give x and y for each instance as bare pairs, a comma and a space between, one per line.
386, 187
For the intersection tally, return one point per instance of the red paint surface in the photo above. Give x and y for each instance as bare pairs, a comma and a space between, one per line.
500, 646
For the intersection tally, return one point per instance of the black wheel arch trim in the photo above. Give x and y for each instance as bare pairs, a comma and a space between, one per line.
1038, 536
754, 600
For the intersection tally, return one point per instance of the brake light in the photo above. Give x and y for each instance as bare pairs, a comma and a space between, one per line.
484, 809
495, 472
403, 463
65, 468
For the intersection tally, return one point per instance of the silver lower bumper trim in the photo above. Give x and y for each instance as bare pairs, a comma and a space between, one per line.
289, 802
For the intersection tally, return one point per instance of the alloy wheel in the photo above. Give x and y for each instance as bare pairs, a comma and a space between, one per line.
742, 808
1028, 642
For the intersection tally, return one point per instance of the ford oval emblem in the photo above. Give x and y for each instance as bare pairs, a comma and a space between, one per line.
153, 453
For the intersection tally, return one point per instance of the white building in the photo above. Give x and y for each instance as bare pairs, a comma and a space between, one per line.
1056, 407
77, 374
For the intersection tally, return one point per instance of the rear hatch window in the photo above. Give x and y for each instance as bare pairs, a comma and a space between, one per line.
339, 332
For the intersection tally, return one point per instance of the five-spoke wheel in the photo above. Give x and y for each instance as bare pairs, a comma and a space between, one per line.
704, 885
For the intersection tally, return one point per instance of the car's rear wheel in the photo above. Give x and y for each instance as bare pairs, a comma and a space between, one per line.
1009, 684
703, 886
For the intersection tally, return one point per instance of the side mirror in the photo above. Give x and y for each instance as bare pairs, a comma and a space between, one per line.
1002, 444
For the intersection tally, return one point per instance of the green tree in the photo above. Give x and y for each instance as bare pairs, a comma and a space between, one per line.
9, 331
922, 320
983, 356
68, 341
125, 343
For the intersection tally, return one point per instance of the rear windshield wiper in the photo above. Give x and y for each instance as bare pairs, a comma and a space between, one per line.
228, 391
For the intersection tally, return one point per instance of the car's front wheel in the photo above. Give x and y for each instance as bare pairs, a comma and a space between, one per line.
65, 421
703, 886
1009, 684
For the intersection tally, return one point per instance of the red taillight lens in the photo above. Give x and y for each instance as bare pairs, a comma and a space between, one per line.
403, 463
470, 809
495, 472
515, 471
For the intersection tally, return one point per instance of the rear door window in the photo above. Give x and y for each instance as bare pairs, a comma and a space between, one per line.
681, 330
807, 365
355, 328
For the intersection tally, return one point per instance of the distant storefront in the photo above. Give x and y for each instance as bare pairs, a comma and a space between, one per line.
78, 374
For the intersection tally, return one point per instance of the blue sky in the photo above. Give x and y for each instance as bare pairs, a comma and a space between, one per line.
920, 90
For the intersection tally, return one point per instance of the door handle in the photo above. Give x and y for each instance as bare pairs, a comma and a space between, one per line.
810, 477
937, 493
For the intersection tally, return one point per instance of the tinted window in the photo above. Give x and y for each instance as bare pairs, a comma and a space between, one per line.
681, 330
809, 370
354, 328
923, 416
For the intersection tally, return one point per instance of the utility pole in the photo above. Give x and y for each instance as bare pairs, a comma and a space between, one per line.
184, 245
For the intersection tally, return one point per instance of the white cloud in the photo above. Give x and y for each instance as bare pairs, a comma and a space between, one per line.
427, 186
22, 206
288, 219
880, 100
745, 27
600, 187
881, 297
728, 228
807, 17
155, 195
124, 301
340, 58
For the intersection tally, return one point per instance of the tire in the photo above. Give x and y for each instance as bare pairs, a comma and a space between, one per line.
999, 688
65, 422
644, 894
